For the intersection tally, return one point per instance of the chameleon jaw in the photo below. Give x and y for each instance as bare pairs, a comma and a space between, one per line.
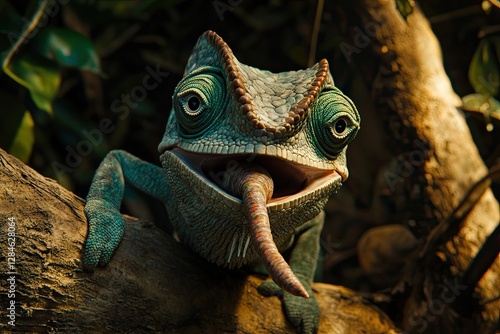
248, 209
215, 226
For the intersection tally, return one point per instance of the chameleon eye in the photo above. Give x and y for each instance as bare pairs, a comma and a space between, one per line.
199, 100
193, 103
334, 122
340, 127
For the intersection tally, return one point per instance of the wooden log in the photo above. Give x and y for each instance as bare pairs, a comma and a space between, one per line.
152, 284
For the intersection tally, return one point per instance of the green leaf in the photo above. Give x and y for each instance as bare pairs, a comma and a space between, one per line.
487, 105
22, 146
404, 8
480, 102
484, 68
40, 76
67, 47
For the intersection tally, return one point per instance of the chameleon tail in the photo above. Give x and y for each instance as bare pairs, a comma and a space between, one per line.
255, 186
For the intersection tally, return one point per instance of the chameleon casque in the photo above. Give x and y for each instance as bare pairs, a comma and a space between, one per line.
249, 160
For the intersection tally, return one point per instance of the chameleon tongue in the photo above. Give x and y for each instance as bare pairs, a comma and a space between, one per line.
255, 186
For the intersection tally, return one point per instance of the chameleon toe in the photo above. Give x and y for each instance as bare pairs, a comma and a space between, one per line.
302, 313
270, 288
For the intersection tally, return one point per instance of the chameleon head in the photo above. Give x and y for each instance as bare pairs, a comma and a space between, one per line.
296, 125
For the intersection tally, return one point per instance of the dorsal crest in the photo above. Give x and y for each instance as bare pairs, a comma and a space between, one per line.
289, 95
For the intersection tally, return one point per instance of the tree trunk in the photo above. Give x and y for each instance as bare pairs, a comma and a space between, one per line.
438, 163
152, 284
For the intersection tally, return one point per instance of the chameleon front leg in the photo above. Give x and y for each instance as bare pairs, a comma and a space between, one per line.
302, 313
106, 225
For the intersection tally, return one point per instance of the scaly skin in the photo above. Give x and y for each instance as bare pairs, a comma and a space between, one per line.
106, 226
230, 121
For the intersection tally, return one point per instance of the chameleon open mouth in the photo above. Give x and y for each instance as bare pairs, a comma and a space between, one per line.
263, 190
292, 181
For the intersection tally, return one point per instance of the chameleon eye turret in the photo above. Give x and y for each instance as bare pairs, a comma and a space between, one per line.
199, 100
334, 122
249, 159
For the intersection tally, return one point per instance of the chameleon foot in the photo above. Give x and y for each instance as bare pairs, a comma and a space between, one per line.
302, 313
106, 228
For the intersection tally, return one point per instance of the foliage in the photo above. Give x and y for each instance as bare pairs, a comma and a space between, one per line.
53, 88
404, 7
484, 76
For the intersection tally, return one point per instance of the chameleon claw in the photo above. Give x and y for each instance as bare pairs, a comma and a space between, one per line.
240, 245
231, 251
246, 246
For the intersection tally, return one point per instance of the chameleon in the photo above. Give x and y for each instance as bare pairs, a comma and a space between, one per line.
249, 159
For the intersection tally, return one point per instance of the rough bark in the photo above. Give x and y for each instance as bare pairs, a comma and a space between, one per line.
152, 284
401, 62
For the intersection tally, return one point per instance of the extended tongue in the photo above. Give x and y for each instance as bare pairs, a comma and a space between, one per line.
255, 186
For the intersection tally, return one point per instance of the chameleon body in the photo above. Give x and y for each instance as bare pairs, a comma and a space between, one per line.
249, 160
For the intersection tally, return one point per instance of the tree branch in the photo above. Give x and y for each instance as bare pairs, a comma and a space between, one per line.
413, 97
152, 283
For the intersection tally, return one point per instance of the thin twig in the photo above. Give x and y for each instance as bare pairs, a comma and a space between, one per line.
495, 3
315, 33
471, 10
489, 300
24, 35
488, 30
458, 214
483, 260
120, 40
